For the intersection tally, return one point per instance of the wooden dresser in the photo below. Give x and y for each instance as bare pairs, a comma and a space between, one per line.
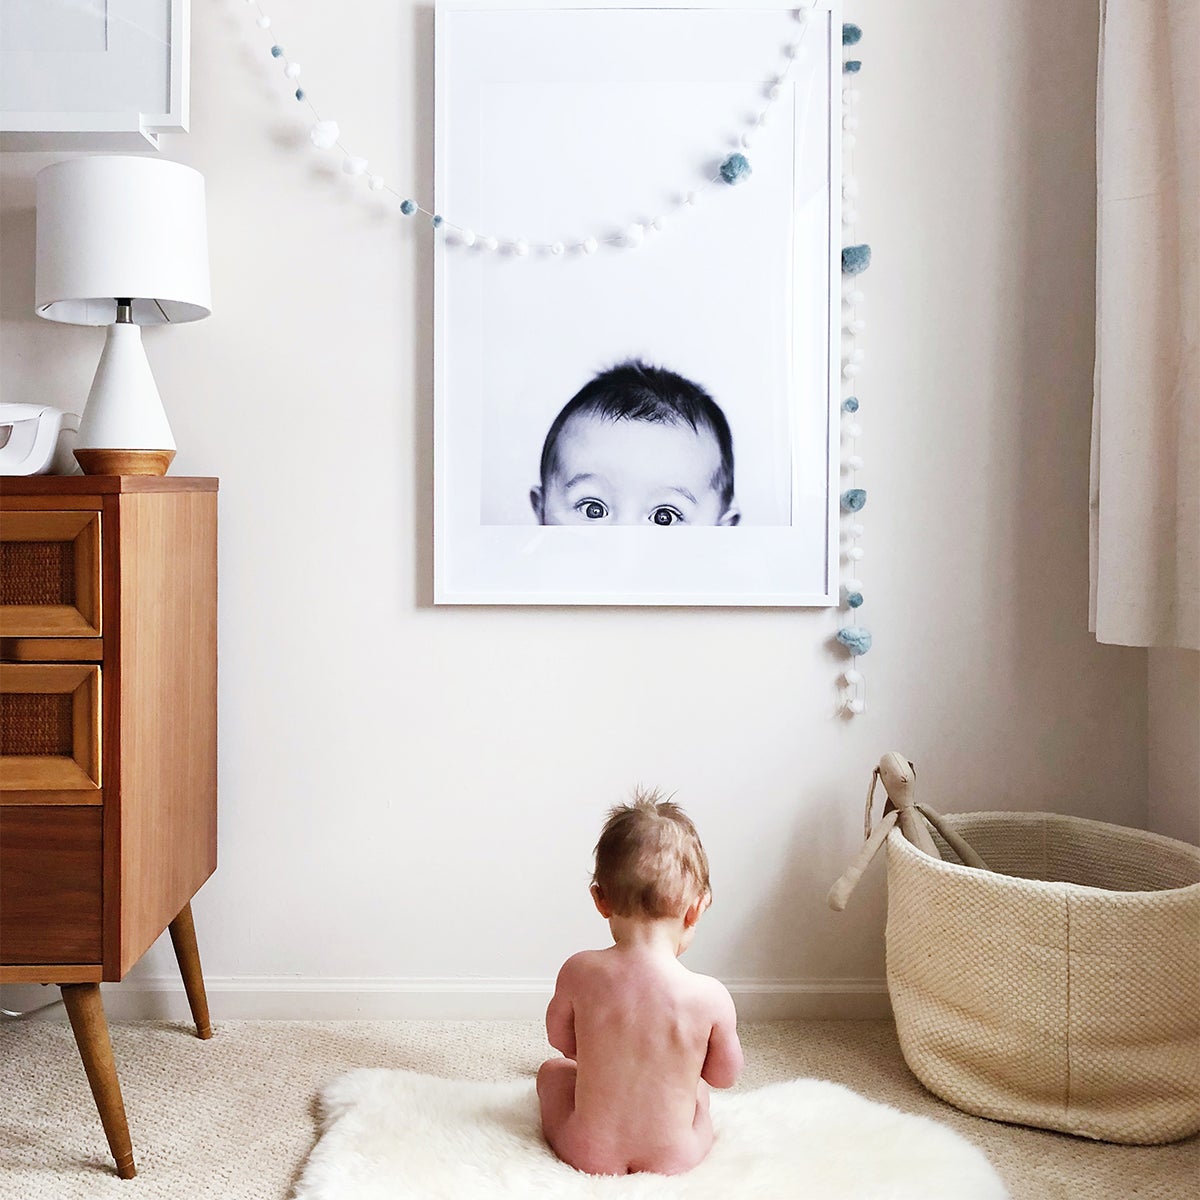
108, 740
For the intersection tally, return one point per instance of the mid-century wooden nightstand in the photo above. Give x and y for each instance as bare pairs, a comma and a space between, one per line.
108, 740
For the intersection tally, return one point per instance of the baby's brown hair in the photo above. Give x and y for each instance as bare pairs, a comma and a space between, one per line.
649, 860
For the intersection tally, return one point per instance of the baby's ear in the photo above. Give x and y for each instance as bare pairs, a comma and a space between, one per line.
535, 499
602, 906
696, 909
731, 516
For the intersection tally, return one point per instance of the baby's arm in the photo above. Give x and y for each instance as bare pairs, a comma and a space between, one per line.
724, 1060
560, 1015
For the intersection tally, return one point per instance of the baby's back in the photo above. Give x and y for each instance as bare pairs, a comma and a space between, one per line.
642, 1027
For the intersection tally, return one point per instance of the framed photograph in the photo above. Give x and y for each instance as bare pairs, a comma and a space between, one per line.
92, 74
637, 304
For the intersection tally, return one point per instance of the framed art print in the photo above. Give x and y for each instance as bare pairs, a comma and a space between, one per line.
92, 74
637, 298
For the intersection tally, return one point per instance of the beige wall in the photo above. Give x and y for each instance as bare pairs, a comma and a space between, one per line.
409, 795
1174, 725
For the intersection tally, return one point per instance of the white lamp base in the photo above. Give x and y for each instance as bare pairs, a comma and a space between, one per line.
124, 430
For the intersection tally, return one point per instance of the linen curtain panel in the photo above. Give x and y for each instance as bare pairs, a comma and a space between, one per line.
1145, 469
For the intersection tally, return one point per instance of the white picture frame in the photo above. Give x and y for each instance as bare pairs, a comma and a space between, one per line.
77, 75
559, 123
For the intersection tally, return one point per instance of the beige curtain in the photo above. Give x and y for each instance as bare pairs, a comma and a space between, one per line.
1145, 479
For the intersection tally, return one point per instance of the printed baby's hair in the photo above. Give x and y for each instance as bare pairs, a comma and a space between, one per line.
649, 860
636, 391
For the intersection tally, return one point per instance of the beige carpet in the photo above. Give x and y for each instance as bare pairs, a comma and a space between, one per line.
232, 1118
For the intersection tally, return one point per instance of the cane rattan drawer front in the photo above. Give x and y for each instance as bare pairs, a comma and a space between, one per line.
49, 732
50, 574
51, 864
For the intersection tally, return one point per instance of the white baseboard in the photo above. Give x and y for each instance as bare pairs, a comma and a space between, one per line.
287, 998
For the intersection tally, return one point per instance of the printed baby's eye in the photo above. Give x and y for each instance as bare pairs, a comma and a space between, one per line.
664, 515
592, 509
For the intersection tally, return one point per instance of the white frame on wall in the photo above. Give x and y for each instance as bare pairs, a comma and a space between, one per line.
792, 563
97, 123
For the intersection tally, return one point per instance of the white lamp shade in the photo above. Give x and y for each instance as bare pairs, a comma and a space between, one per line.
112, 227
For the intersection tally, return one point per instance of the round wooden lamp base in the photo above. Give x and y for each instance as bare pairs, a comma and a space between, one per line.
124, 462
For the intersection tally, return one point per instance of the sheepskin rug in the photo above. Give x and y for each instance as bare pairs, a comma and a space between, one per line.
397, 1135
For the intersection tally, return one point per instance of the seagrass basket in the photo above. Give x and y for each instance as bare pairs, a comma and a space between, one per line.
1060, 986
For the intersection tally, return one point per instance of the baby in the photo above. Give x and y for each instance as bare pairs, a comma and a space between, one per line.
637, 445
643, 1037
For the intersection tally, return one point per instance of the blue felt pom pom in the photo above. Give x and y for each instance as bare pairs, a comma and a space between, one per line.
853, 499
854, 599
437, 221
856, 639
299, 93
408, 207
855, 259
276, 51
852, 66
735, 168
851, 34
850, 404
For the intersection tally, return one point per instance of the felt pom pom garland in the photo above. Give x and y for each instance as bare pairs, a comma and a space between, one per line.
735, 169
856, 258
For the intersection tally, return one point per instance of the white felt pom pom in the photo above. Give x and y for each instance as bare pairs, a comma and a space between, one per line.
761, 119
691, 199
849, 141
634, 235
849, 215
856, 706
263, 22
850, 95
853, 677
774, 91
292, 70
855, 462
520, 247
858, 356
489, 243
855, 553
854, 296
747, 139
854, 585
856, 529
375, 182
589, 245
854, 430
849, 121
558, 249
792, 49
850, 370
802, 15
850, 188
467, 237
857, 325
658, 224
324, 134
354, 166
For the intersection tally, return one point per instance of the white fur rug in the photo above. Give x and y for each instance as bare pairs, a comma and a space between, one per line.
395, 1135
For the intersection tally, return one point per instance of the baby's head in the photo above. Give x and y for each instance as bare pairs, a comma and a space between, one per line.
649, 861
637, 445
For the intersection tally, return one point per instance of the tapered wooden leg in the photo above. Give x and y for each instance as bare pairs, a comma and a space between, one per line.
183, 938
86, 1011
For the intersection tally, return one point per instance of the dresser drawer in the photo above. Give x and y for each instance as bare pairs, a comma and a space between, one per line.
50, 730
50, 574
51, 863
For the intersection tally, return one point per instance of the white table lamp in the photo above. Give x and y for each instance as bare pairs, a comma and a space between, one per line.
122, 242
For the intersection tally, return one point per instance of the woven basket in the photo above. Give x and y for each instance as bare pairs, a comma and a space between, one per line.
1058, 988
